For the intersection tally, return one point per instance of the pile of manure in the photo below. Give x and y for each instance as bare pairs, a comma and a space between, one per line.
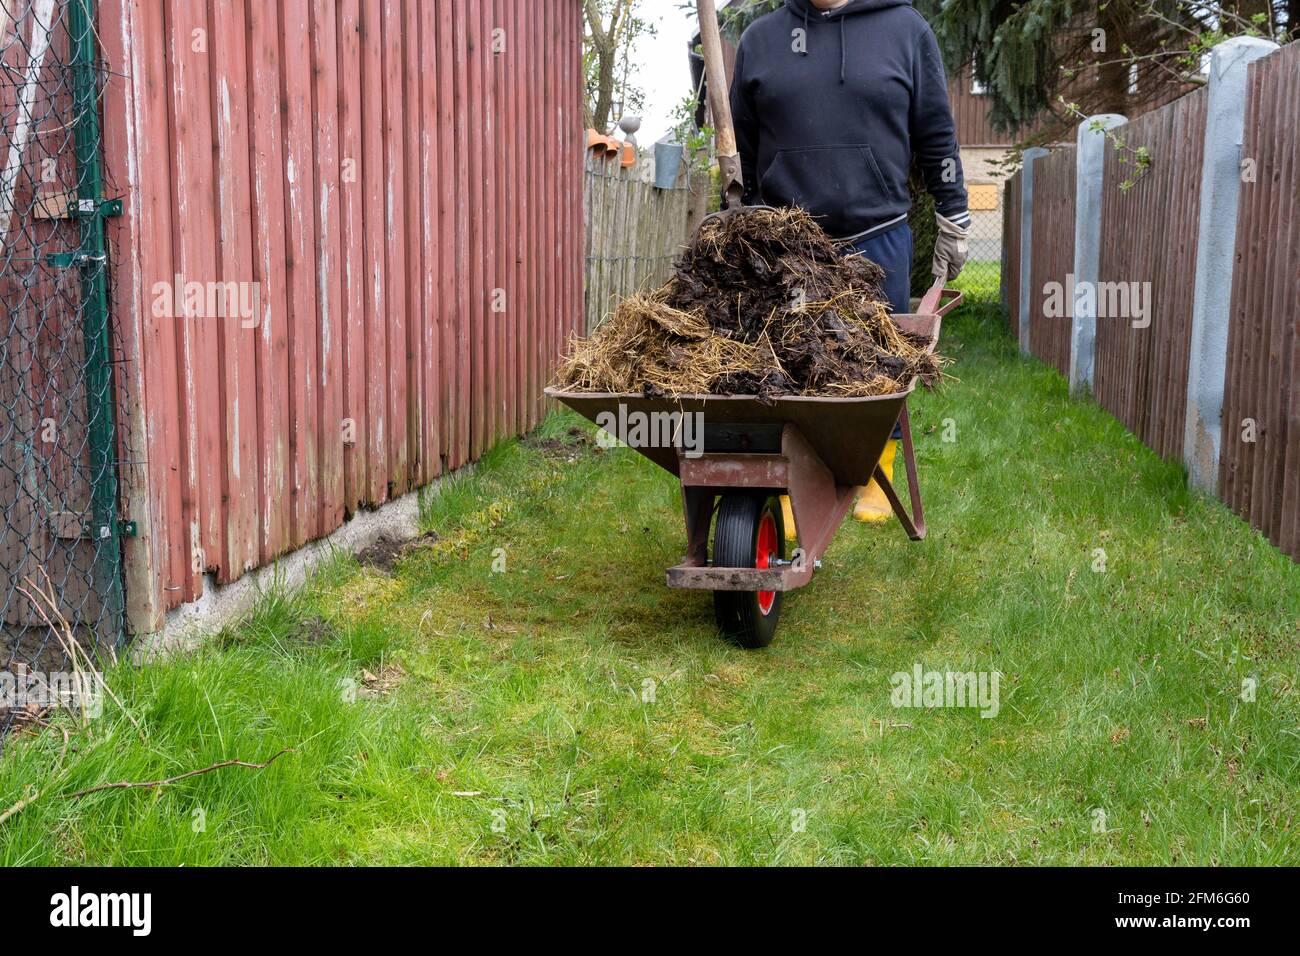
762, 303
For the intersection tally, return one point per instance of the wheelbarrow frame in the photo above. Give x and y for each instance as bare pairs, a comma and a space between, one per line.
819, 502
824, 449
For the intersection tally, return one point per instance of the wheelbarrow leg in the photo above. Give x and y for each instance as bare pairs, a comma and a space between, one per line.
913, 524
698, 506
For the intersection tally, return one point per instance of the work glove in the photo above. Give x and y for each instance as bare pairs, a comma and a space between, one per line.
951, 246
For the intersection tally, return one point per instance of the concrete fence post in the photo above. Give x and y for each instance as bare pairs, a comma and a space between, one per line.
1027, 238
1090, 165
1215, 255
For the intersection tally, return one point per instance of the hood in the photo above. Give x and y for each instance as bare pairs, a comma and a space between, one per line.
805, 8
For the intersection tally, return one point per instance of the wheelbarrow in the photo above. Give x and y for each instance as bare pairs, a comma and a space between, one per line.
748, 454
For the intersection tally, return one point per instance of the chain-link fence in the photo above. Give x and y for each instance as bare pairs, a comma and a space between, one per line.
982, 274
60, 536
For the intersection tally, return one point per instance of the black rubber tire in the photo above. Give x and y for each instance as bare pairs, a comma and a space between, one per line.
735, 543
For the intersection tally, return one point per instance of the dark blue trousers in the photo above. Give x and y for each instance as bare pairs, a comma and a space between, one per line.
892, 251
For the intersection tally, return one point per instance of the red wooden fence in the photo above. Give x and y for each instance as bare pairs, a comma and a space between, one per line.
1260, 479
400, 183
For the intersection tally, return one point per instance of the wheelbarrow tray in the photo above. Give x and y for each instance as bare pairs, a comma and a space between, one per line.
847, 435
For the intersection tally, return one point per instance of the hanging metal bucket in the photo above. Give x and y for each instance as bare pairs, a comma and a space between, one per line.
668, 163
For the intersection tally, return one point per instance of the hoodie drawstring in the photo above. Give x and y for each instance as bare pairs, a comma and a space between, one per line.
843, 48
842, 51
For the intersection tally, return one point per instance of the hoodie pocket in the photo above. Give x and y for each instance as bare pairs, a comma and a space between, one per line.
839, 185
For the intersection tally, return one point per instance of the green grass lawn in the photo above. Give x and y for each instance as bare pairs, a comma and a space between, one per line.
571, 709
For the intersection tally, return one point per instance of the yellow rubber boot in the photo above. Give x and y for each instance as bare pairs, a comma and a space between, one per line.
787, 518
871, 504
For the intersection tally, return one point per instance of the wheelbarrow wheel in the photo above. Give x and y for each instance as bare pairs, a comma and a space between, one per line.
749, 534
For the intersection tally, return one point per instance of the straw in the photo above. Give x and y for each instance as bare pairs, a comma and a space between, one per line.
763, 304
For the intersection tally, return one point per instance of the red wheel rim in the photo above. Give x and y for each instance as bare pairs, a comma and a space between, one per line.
764, 553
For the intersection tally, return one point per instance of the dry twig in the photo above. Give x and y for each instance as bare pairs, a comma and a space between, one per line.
143, 784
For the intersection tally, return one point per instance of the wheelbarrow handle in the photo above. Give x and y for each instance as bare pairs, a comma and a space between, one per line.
733, 181
930, 301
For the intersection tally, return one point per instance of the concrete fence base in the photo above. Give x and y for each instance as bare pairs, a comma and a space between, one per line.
187, 626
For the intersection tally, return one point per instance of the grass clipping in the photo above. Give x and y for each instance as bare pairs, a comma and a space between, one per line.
763, 304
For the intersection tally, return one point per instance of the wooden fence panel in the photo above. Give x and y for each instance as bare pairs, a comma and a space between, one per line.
1053, 260
634, 232
1148, 249
353, 263
1260, 479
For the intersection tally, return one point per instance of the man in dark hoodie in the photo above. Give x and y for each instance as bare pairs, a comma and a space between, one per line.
832, 101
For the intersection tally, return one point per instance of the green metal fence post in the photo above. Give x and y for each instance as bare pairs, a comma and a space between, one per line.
92, 260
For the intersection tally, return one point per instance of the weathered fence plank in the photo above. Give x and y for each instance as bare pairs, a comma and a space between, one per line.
1011, 251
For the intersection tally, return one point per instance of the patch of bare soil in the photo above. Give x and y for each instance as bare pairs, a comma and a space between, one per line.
384, 554
313, 630
383, 683
577, 443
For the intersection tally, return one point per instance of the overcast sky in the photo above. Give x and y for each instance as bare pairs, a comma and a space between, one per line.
662, 70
